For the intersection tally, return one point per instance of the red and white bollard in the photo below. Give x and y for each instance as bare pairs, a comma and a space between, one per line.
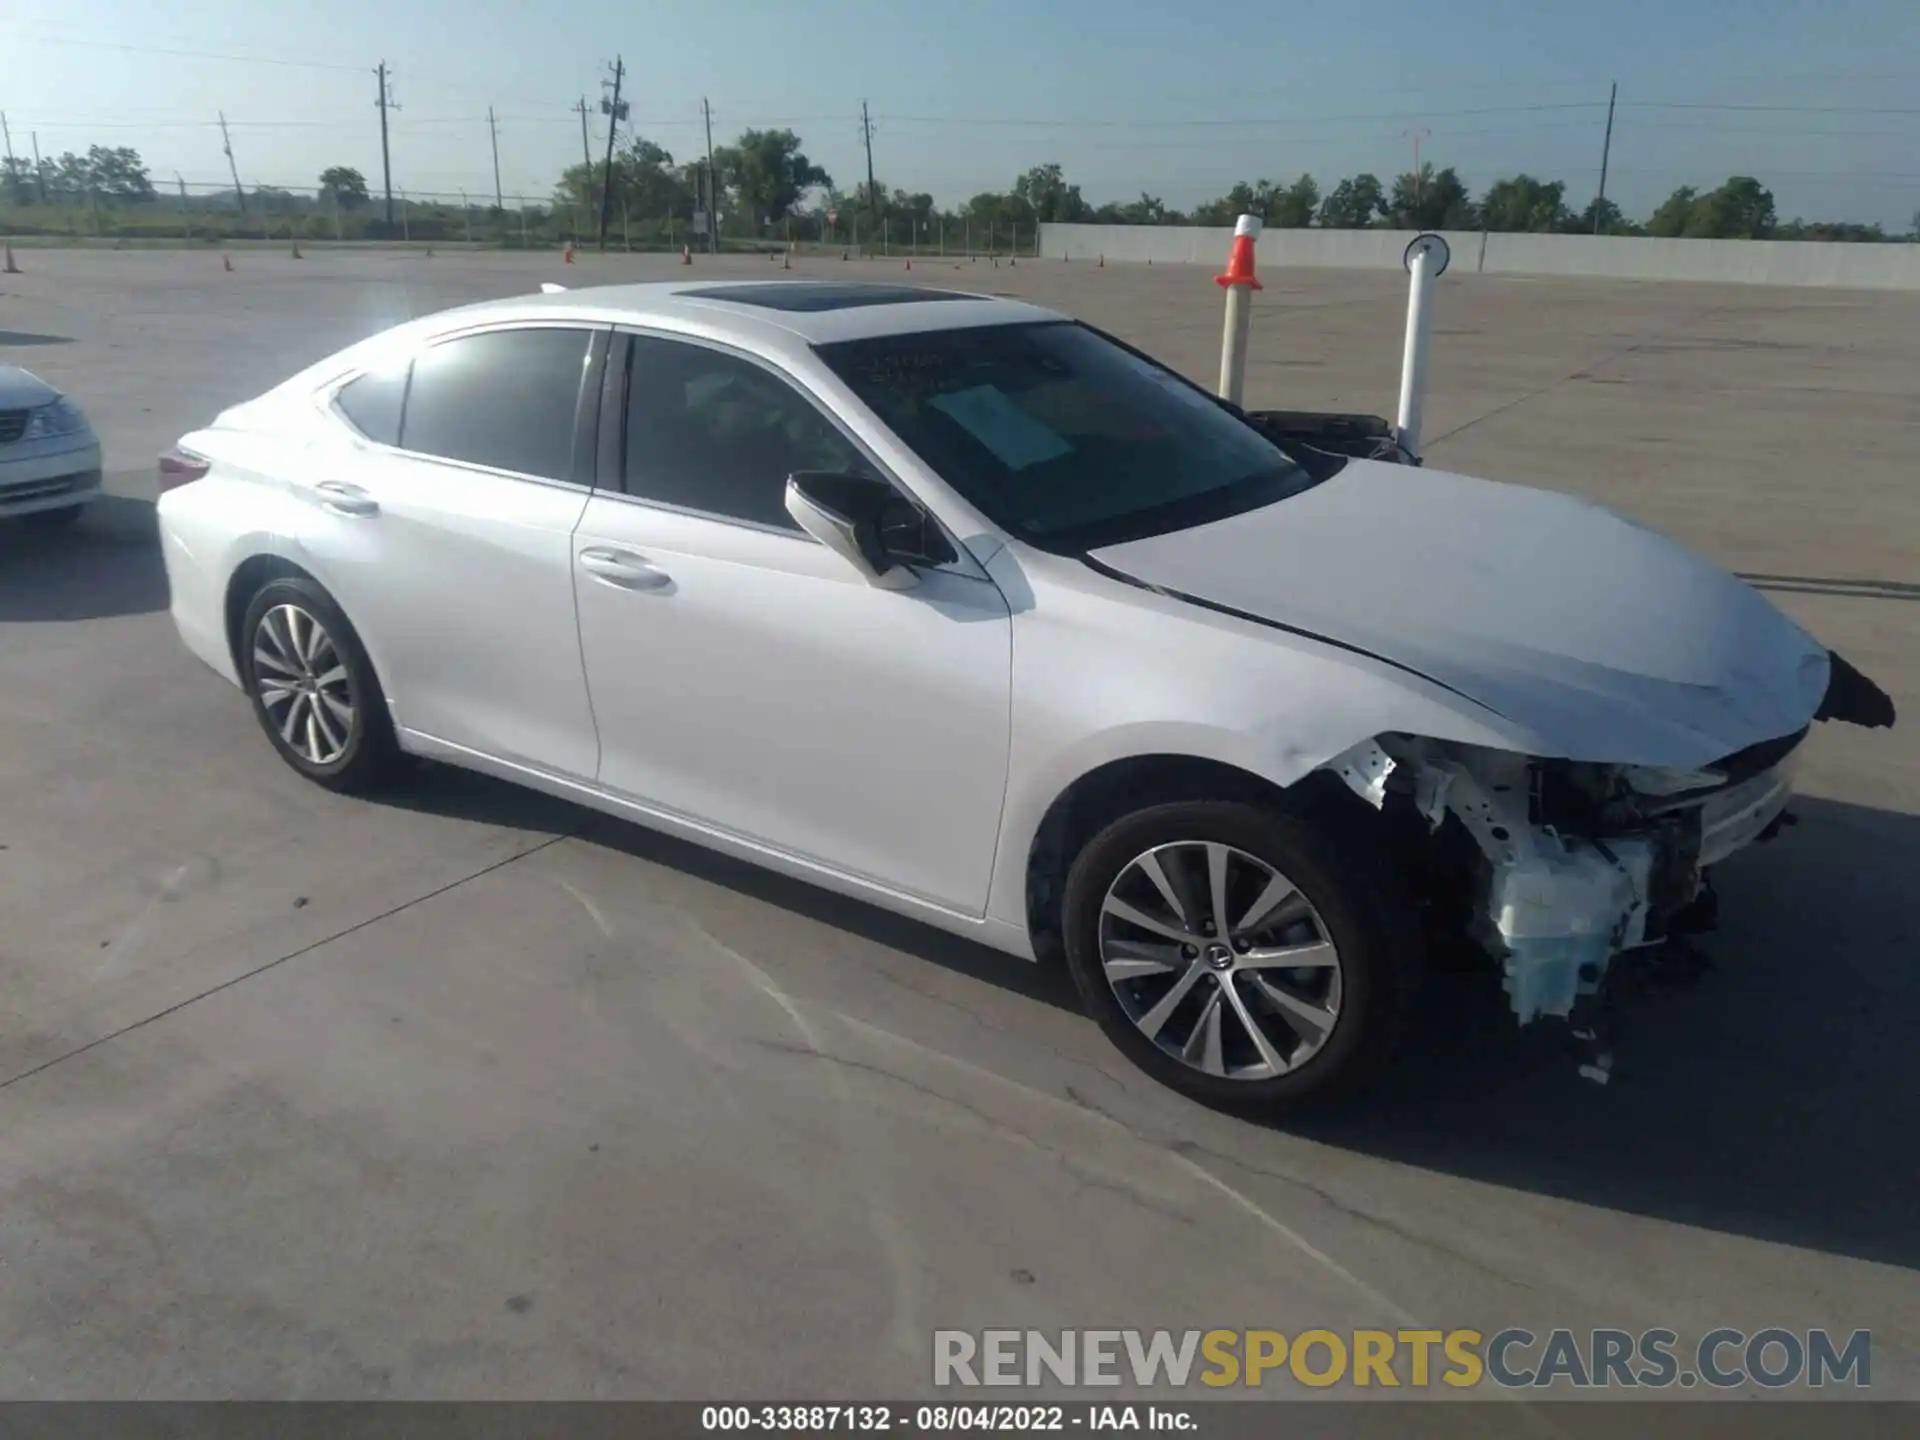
1238, 282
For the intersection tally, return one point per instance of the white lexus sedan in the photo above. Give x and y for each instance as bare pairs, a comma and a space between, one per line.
961, 607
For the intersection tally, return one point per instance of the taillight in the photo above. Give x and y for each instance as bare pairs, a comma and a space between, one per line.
179, 465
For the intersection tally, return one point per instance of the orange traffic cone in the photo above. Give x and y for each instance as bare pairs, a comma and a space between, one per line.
13, 266
1240, 260
226, 262
566, 254
686, 254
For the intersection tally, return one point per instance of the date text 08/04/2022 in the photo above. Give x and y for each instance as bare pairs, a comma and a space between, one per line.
935, 1419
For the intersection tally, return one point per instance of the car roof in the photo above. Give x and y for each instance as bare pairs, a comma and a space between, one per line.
816, 312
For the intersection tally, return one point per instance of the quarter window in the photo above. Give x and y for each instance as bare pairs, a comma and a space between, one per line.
505, 399
372, 403
710, 432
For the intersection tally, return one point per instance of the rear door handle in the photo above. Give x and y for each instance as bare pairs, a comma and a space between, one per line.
346, 499
623, 568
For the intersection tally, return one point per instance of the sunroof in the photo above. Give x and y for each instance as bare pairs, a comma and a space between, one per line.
804, 295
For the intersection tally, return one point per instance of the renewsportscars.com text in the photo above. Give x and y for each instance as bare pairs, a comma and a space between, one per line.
1773, 1358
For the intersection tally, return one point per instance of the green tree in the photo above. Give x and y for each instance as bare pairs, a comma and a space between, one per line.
1047, 195
1292, 208
1353, 204
768, 173
1242, 199
1601, 217
1671, 219
20, 177
69, 176
645, 181
1522, 202
1741, 209
116, 172
344, 186
1429, 200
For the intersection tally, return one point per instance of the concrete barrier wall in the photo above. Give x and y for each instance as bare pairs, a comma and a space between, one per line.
1621, 257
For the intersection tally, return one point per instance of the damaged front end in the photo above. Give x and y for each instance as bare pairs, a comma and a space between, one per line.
1558, 868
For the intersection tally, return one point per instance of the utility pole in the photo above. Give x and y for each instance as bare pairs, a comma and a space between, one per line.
385, 102
586, 146
1606, 150
39, 167
866, 134
713, 188
1417, 134
13, 172
233, 169
493, 129
616, 111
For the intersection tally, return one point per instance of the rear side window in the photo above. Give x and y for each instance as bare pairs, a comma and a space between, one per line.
505, 399
372, 404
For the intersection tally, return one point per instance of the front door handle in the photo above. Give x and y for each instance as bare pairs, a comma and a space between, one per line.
346, 499
623, 568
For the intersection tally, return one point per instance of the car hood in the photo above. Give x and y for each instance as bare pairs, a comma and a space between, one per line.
23, 390
1607, 641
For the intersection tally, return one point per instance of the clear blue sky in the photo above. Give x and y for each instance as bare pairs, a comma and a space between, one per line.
1176, 99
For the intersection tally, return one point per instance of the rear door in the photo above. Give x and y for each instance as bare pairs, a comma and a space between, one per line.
449, 547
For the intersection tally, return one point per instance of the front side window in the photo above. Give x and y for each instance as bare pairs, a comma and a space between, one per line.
710, 432
1062, 437
503, 398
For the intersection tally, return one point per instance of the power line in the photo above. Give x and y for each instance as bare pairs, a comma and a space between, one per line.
44, 39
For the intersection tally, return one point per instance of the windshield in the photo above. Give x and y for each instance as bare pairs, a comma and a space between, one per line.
1061, 436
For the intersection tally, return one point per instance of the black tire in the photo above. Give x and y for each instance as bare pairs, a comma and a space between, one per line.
1360, 906
61, 519
369, 755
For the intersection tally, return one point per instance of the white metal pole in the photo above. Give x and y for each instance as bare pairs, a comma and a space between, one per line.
1413, 370
1240, 283
1233, 345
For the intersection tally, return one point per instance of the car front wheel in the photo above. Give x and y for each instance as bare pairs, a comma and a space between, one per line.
313, 689
1246, 956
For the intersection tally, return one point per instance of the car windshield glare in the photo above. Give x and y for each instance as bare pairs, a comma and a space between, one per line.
1062, 437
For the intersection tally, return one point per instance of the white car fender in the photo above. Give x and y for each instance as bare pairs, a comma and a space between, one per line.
1097, 683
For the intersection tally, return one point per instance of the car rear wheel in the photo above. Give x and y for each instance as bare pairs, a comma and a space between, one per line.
1248, 957
313, 689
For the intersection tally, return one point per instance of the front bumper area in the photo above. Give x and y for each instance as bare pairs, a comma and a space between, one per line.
1561, 886
48, 475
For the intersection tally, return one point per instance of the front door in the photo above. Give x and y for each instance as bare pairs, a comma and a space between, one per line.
746, 678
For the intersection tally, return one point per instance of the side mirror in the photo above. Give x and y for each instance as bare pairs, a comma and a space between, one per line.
868, 523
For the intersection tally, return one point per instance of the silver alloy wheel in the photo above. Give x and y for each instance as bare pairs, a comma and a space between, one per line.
303, 684
1220, 960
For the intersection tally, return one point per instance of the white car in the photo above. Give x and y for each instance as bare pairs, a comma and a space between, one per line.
958, 606
49, 456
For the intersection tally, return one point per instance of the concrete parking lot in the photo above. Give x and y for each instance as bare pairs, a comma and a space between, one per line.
466, 1093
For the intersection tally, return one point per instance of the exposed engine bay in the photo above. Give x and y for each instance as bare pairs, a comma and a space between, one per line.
1557, 868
